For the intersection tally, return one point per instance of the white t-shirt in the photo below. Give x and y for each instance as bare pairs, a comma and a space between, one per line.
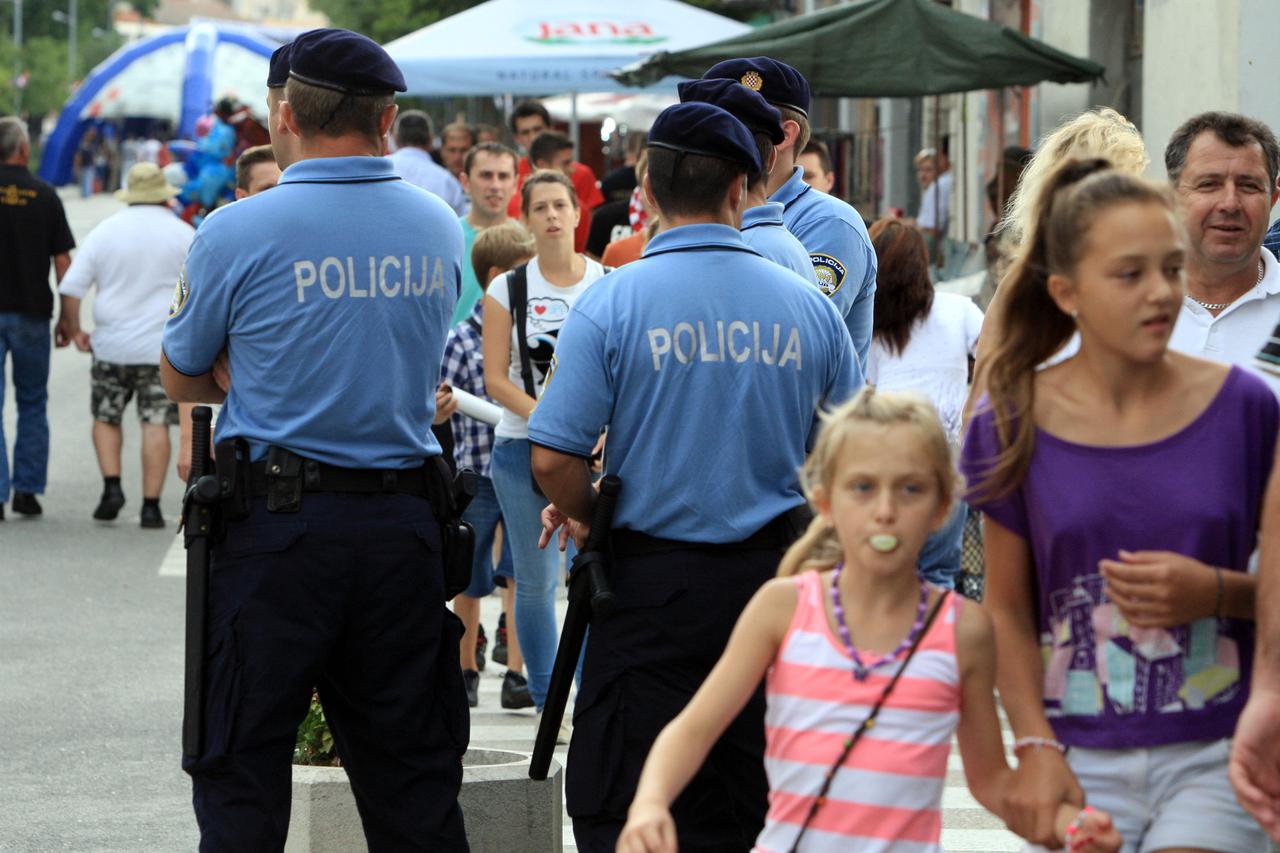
935, 362
935, 205
134, 258
547, 309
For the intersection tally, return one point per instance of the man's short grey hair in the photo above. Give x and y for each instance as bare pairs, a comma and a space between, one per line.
1231, 129
414, 128
13, 135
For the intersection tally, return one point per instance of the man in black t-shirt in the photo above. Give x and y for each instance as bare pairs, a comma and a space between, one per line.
33, 229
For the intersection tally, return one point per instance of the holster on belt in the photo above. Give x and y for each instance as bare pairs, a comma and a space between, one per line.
458, 537
235, 482
284, 480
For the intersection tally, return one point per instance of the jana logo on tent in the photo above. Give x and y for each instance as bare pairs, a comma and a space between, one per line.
590, 32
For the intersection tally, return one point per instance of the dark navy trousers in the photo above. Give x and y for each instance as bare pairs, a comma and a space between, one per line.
675, 611
345, 596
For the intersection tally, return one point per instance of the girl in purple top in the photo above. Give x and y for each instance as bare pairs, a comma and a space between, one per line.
1122, 491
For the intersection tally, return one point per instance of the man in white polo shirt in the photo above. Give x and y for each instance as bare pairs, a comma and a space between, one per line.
413, 161
1223, 168
133, 258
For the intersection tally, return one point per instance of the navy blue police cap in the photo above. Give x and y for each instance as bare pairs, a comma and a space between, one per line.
779, 83
278, 70
700, 128
740, 102
345, 62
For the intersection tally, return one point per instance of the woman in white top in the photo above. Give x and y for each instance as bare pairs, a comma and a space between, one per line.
922, 341
556, 277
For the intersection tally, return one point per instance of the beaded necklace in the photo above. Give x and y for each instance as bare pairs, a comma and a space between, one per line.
862, 670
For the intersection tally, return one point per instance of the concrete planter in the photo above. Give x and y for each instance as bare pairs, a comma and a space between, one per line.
503, 808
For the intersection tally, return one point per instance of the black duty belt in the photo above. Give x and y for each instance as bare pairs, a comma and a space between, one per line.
775, 535
320, 477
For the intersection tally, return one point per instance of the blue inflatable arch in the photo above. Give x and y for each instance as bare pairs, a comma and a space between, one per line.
57, 164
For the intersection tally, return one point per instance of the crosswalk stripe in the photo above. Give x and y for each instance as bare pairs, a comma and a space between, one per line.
174, 564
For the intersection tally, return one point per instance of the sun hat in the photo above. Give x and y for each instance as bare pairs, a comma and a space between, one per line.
146, 184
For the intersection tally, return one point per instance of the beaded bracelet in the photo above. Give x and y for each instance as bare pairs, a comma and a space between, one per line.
1217, 603
1038, 742
1073, 829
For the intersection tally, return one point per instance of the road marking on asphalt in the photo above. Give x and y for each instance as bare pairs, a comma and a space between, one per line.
175, 560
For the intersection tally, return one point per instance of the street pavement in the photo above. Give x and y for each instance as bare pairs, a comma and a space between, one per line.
91, 633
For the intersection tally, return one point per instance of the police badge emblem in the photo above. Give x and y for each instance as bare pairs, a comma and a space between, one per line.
180, 294
752, 80
830, 273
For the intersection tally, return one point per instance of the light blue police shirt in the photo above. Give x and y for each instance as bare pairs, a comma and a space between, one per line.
836, 239
764, 231
333, 309
708, 363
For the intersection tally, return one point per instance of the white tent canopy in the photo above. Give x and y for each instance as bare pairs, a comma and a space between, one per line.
551, 46
629, 110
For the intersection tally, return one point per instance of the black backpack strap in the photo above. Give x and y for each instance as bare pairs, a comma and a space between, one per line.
518, 292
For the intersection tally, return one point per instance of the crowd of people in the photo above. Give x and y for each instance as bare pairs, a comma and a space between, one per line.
802, 426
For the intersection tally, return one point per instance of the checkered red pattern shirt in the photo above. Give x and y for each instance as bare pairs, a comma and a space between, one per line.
463, 367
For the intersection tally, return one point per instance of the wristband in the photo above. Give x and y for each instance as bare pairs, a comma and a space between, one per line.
1048, 743
1073, 830
1217, 603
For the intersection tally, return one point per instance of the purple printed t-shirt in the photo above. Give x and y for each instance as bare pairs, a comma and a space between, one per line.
1198, 492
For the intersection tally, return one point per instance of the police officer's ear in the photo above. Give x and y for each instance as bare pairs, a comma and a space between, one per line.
646, 189
385, 122
738, 196
791, 130
288, 121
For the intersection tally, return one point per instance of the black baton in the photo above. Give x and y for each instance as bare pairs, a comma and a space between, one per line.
589, 594
197, 520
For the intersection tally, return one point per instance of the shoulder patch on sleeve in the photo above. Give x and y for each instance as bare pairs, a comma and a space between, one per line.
830, 273
180, 294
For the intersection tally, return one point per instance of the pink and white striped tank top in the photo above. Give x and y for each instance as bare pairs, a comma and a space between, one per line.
888, 794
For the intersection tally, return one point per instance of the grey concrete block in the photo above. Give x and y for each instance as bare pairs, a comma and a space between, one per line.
504, 810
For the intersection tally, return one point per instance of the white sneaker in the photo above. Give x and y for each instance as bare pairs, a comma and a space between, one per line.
562, 739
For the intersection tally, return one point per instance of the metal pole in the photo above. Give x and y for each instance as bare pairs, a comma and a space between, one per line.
574, 129
72, 26
17, 56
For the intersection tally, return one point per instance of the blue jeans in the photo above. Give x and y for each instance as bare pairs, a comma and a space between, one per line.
537, 571
484, 513
939, 561
27, 339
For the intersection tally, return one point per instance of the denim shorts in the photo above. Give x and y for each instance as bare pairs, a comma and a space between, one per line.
1173, 796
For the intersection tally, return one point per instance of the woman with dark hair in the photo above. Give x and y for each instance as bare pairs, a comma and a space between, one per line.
922, 341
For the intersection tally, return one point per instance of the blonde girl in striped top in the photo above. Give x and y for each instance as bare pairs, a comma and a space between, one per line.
857, 743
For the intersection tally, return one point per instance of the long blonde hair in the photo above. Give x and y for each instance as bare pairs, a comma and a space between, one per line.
1031, 327
1094, 133
819, 547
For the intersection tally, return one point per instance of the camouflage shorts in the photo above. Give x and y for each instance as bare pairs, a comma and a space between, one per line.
115, 384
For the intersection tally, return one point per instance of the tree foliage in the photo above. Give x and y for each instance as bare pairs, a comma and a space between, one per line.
44, 49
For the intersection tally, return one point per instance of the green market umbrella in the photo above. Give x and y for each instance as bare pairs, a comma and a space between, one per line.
884, 48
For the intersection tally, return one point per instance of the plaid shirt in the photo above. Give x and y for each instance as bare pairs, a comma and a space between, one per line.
463, 368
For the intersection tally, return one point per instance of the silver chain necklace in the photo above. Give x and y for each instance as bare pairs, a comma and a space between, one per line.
1220, 306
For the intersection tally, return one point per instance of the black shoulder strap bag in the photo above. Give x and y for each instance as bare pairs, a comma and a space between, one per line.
518, 291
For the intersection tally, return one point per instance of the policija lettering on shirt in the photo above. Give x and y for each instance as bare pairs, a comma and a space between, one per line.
391, 274
736, 341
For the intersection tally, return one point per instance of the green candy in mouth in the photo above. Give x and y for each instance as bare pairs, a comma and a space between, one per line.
883, 542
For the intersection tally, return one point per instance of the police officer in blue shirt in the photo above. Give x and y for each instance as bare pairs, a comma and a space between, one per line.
709, 364
762, 225
334, 325
832, 231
